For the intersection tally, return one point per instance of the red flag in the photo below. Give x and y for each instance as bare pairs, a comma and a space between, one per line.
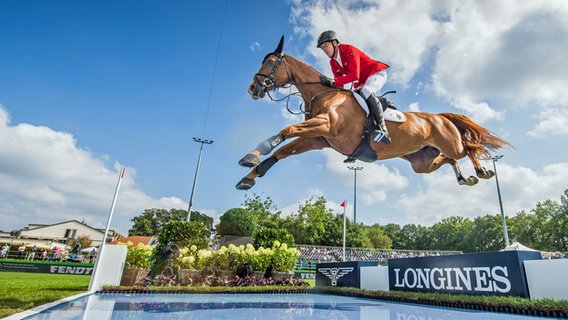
342, 204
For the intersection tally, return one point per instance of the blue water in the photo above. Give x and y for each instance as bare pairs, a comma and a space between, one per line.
252, 306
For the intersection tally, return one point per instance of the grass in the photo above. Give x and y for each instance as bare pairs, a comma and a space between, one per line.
20, 291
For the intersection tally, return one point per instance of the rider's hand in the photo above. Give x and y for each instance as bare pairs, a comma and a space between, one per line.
326, 81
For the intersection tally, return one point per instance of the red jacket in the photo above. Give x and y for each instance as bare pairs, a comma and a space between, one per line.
356, 66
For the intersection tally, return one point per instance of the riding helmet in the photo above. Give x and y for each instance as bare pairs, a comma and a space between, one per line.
326, 36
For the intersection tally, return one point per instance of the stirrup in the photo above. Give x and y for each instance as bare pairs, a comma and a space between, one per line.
381, 136
349, 160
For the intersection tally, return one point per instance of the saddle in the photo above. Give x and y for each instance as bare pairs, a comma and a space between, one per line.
364, 151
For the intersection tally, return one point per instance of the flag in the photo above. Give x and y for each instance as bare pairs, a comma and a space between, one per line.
342, 204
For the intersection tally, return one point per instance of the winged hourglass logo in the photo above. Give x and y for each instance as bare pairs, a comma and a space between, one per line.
335, 273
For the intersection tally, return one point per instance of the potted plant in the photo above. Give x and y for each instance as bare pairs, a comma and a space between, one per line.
137, 263
187, 262
260, 260
283, 261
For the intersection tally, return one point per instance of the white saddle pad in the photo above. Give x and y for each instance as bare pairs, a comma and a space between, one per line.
390, 114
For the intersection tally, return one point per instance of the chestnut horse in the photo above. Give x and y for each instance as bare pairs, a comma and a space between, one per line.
335, 120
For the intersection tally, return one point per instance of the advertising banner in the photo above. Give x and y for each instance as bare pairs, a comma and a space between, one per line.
341, 274
490, 273
45, 268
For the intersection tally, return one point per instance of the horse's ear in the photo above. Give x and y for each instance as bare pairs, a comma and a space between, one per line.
280, 45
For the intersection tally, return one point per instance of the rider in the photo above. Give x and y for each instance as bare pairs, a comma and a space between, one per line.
351, 65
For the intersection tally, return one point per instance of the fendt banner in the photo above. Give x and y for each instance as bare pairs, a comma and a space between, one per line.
45, 268
490, 273
341, 274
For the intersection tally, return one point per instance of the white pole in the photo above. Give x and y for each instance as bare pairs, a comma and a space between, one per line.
344, 222
99, 254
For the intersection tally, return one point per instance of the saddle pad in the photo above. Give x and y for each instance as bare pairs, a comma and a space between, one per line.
394, 115
390, 114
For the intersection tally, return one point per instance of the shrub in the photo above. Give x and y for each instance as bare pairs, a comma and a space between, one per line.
138, 256
236, 222
265, 237
283, 258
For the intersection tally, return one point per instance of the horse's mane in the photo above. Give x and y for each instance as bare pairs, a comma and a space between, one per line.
305, 64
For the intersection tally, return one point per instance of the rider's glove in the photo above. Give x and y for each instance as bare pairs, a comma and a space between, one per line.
326, 81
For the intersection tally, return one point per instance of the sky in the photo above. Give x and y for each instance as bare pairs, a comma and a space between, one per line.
88, 88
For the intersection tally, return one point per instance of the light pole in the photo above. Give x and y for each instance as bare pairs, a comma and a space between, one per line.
355, 169
495, 158
201, 141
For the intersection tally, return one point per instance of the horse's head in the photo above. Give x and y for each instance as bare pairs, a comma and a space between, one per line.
269, 76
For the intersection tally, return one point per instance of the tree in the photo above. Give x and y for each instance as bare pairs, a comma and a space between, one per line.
411, 238
236, 222
356, 235
392, 230
448, 234
264, 212
206, 220
378, 238
486, 234
265, 237
151, 221
308, 225
84, 240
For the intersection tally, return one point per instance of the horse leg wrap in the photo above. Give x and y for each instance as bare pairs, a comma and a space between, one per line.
266, 146
265, 165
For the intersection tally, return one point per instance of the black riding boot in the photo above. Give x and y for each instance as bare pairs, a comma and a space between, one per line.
376, 110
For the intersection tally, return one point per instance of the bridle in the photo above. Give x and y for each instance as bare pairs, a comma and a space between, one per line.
269, 81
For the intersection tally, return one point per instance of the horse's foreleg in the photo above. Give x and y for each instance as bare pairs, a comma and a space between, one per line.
297, 146
315, 127
252, 158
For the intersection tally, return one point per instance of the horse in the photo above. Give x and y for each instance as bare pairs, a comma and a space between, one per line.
333, 119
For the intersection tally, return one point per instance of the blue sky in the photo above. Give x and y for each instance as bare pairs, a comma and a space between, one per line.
89, 87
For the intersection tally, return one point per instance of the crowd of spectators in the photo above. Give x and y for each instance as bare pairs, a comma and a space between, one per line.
311, 255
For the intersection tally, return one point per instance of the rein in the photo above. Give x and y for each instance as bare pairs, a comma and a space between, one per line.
269, 81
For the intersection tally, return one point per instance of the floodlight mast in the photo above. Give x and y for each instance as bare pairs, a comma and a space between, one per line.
201, 141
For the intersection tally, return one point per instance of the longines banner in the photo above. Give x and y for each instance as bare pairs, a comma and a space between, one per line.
341, 274
490, 273
44, 268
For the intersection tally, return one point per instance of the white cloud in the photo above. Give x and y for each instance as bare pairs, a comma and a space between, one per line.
521, 188
475, 51
254, 47
45, 178
414, 107
553, 121
373, 181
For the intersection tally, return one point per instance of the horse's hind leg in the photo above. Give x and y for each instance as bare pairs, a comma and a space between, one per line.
471, 181
429, 159
480, 171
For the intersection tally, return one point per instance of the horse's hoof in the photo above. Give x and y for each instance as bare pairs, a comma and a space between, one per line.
471, 181
249, 161
245, 184
486, 174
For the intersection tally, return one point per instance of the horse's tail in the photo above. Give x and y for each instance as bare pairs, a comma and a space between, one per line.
477, 139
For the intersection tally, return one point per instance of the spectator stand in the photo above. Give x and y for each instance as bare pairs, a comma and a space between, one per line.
311, 255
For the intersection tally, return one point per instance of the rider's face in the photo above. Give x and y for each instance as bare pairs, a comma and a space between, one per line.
328, 48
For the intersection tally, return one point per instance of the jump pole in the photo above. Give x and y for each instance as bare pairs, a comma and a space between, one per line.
95, 271
344, 205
